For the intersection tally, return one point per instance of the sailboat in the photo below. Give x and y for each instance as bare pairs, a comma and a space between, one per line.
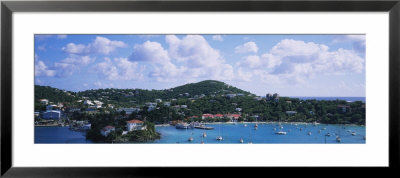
256, 126
190, 138
280, 129
219, 138
338, 139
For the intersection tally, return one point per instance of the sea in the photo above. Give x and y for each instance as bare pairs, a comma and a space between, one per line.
59, 135
231, 134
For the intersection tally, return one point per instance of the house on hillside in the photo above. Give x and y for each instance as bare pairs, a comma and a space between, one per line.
135, 125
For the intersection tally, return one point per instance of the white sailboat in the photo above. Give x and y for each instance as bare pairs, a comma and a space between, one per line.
280, 132
219, 138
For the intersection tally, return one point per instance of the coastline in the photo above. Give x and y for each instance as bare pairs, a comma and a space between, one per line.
269, 122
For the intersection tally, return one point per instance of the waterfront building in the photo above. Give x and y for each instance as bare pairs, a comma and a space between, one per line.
52, 114
107, 130
135, 125
205, 116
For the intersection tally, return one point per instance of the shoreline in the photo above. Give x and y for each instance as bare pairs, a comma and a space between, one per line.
269, 122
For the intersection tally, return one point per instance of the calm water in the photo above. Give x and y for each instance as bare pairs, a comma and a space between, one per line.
59, 135
264, 134
230, 133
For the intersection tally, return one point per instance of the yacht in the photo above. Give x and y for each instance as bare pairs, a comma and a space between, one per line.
182, 126
219, 138
353, 133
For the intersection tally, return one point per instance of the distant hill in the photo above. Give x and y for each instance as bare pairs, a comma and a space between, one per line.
191, 90
53, 94
207, 87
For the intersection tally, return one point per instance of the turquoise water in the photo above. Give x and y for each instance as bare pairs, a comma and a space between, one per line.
59, 135
230, 133
264, 134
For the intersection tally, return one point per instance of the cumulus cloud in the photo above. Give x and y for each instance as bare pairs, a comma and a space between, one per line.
200, 59
150, 51
217, 38
41, 69
71, 64
296, 61
119, 69
100, 45
247, 47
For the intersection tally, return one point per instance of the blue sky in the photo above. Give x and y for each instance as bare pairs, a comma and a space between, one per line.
291, 65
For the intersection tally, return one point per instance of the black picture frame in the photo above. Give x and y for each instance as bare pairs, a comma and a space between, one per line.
8, 7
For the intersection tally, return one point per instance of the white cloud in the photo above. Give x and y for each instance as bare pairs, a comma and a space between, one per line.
71, 64
198, 58
118, 69
100, 45
41, 70
293, 61
247, 47
151, 52
217, 38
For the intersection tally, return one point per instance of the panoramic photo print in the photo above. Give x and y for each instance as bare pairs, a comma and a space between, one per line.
199, 89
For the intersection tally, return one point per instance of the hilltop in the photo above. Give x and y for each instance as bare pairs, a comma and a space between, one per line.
140, 96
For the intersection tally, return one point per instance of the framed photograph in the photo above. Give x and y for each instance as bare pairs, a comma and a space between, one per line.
170, 84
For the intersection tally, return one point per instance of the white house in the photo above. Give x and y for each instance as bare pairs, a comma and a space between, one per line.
106, 130
291, 112
52, 114
230, 95
44, 101
88, 102
158, 100
129, 111
135, 125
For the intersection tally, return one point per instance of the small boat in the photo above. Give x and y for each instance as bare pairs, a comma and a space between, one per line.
301, 129
204, 134
182, 126
324, 128
309, 133
338, 139
245, 125
190, 139
348, 130
250, 143
219, 138
328, 134
280, 133
353, 133
319, 131
241, 140
274, 128
363, 137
